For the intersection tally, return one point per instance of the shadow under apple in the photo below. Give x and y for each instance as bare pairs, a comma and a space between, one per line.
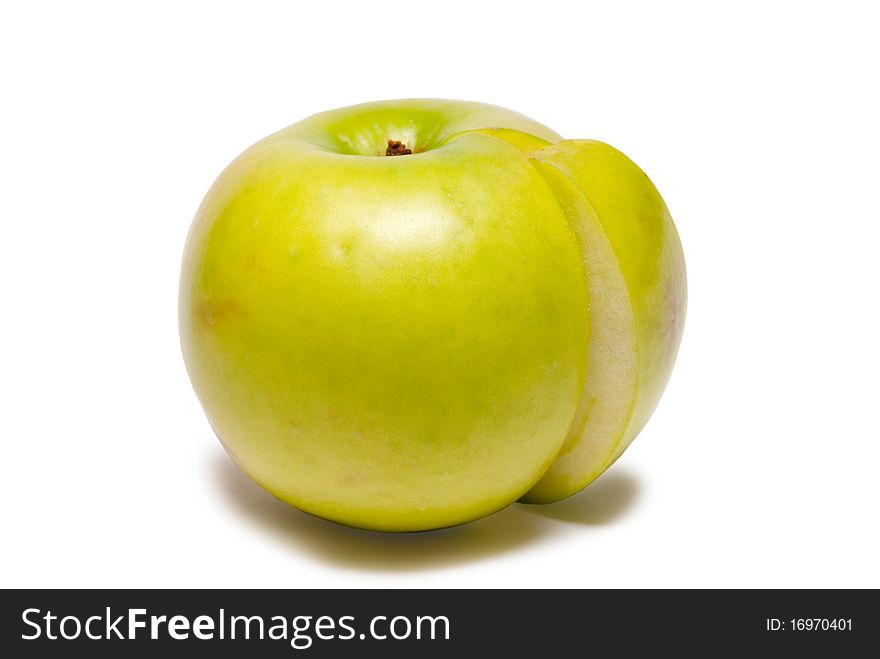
604, 501
513, 528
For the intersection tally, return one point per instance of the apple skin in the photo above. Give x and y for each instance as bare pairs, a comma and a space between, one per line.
393, 343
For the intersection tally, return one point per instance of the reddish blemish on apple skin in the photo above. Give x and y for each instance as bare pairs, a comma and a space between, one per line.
211, 313
351, 479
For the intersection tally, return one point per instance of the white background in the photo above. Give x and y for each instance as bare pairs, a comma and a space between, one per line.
759, 124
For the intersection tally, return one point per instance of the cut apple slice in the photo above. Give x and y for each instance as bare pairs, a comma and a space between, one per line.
636, 280
610, 382
635, 273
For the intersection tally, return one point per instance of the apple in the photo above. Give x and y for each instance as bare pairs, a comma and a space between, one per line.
407, 315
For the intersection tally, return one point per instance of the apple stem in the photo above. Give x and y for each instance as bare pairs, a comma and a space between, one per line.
397, 148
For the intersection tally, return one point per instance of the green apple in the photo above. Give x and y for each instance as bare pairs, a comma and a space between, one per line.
391, 313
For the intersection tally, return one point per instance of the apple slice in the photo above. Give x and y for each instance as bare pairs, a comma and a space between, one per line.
637, 287
636, 280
